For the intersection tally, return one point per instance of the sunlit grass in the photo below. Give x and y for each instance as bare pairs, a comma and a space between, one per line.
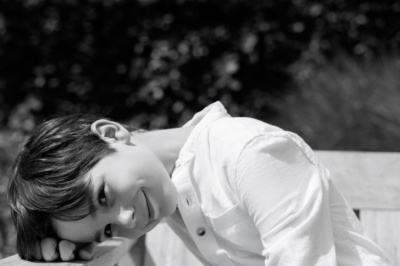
347, 104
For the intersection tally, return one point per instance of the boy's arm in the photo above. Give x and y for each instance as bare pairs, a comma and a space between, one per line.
301, 218
50, 249
281, 188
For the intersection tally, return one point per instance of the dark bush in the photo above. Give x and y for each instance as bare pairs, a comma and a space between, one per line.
159, 61
164, 58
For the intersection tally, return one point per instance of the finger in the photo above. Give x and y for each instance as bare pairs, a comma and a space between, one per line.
85, 252
49, 249
67, 249
38, 251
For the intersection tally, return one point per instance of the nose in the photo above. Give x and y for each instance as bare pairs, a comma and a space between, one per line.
127, 217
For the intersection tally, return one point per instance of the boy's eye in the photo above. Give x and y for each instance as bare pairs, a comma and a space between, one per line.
108, 231
102, 196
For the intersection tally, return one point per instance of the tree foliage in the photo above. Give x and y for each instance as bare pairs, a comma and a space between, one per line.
159, 61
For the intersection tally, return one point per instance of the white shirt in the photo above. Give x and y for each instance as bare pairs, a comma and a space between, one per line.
250, 193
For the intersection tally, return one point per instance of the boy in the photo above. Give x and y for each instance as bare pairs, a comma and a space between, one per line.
236, 190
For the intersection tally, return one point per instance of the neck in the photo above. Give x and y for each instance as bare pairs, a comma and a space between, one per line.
165, 144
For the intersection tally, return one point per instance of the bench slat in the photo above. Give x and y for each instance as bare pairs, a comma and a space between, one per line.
368, 180
381, 227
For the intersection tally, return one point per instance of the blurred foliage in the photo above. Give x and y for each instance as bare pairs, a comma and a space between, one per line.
157, 62
348, 104
360, 28
156, 58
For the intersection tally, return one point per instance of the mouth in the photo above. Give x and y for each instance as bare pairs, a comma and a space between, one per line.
148, 206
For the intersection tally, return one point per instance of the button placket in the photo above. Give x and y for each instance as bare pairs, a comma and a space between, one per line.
194, 220
196, 224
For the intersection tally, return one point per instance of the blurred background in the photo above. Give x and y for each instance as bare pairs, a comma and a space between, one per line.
327, 70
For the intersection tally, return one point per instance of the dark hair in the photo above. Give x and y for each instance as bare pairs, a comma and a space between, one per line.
48, 179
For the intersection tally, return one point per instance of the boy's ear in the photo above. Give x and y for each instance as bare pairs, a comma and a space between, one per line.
111, 131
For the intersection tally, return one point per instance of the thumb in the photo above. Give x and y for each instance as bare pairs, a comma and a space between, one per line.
67, 249
49, 249
86, 251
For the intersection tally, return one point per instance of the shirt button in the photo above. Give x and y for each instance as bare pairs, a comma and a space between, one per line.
201, 231
187, 201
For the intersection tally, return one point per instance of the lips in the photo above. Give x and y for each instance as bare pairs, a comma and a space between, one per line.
148, 206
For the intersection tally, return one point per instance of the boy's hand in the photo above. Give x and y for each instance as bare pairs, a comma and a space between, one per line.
67, 250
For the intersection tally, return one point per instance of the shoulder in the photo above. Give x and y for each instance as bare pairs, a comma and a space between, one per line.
237, 129
223, 140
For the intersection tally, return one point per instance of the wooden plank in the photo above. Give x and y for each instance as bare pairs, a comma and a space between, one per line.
165, 248
368, 180
105, 254
382, 228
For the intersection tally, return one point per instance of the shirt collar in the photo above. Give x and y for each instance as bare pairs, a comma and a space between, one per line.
199, 121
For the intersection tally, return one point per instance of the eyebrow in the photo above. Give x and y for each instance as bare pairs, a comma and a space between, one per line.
95, 190
95, 196
98, 236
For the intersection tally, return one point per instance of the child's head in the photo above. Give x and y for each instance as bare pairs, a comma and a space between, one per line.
48, 178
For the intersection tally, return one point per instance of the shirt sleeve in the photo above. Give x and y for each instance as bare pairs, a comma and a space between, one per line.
286, 194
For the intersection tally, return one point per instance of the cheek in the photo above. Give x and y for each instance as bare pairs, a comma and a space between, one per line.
125, 183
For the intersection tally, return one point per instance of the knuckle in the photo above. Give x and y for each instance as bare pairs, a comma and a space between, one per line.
49, 250
66, 250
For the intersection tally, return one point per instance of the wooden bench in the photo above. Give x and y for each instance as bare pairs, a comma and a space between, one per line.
370, 182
